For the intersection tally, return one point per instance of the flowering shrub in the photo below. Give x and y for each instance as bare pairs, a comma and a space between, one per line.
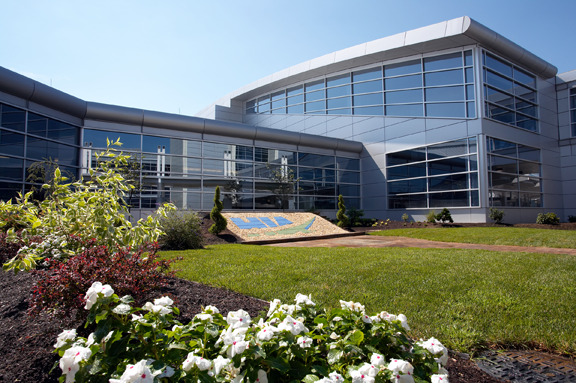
89, 209
294, 342
62, 286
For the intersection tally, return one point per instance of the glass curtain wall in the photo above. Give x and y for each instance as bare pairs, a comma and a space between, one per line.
439, 86
186, 172
435, 176
30, 146
514, 173
510, 93
573, 111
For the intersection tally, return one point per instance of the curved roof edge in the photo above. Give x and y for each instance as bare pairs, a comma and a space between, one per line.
36, 92
444, 35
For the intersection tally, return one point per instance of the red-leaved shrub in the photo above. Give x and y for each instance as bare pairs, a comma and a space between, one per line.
8, 250
61, 287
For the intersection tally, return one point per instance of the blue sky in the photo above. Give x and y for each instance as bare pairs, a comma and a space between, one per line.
180, 56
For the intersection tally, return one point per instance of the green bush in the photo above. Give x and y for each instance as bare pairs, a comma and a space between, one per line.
431, 217
355, 216
496, 215
343, 220
405, 217
547, 219
181, 231
444, 216
216, 216
93, 208
572, 218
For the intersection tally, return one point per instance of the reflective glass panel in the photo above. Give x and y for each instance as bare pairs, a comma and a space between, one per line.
447, 93
296, 109
407, 67
97, 139
448, 182
341, 102
406, 156
338, 91
500, 114
63, 132
314, 85
528, 153
367, 74
11, 143
345, 111
11, 168
526, 123
277, 96
279, 103
497, 65
414, 110
404, 96
454, 199
452, 60
404, 82
348, 177
447, 149
447, 77
503, 164
264, 108
451, 165
453, 109
499, 98
295, 90
367, 87
316, 160
315, 106
408, 186
347, 163
530, 200
368, 99
37, 124
409, 201
528, 168
407, 171
524, 78
469, 75
313, 96
499, 81
369, 111
468, 60
12, 118
504, 181
41, 149
470, 92
471, 109
295, 100
338, 80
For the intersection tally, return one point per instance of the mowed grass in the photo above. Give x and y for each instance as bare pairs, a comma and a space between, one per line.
468, 299
490, 235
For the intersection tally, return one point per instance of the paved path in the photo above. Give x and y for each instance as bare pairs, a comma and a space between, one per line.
385, 241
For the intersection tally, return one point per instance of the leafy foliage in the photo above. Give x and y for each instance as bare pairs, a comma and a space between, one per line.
496, 215
431, 217
547, 219
291, 343
62, 286
181, 231
87, 209
216, 216
355, 216
572, 218
444, 216
343, 220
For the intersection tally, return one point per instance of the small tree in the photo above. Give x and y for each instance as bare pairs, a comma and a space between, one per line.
431, 217
444, 216
343, 220
496, 215
216, 216
284, 183
355, 216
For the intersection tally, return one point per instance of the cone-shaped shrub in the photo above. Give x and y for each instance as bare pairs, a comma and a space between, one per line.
216, 216
343, 220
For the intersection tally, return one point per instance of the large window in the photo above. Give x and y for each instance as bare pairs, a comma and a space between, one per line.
573, 111
439, 86
510, 93
441, 175
186, 173
515, 178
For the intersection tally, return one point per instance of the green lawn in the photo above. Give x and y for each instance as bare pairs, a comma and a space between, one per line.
466, 298
490, 235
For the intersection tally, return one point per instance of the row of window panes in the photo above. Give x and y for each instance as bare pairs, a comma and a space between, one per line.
371, 91
445, 149
461, 181
463, 198
433, 168
514, 174
187, 148
573, 111
510, 93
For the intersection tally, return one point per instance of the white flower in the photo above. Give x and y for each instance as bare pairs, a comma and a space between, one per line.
122, 309
439, 379
234, 342
139, 372
437, 349
306, 300
273, 306
336, 377
366, 318
377, 360
219, 363
138, 318
369, 369
304, 341
92, 293
70, 361
164, 301
266, 333
401, 371
159, 309
336, 319
203, 364
294, 326
64, 336
167, 373
262, 377
211, 310
91, 339
404, 321
358, 377
189, 362
352, 306
204, 317
238, 319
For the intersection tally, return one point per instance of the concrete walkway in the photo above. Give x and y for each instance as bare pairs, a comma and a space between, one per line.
380, 241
